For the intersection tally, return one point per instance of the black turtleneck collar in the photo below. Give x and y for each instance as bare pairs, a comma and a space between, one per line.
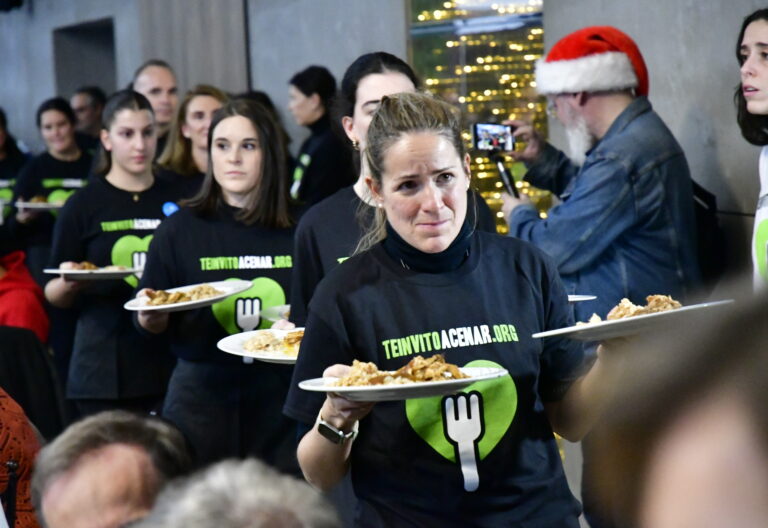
321, 124
411, 258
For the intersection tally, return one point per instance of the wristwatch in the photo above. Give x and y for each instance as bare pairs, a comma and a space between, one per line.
335, 435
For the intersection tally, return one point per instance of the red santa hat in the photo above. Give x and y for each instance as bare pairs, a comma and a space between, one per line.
592, 59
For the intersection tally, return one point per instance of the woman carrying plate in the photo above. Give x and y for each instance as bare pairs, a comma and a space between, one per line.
110, 223
239, 226
430, 283
330, 231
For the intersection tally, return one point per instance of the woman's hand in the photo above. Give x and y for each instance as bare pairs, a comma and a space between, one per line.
61, 292
25, 216
534, 143
152, 322
283, 324
339, 411
71, 285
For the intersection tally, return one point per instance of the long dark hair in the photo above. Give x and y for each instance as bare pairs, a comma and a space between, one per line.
11, 149
268, 203
119, 101
754, 127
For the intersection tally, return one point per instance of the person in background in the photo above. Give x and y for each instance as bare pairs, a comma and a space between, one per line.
88, 102
19, 445
51, 176
185, 159
684, 441
239, 226
263, 99
111, 222
330, 231
156, 81
752, 106
625, 227
424, 270
21, 298
238, 494
106, 470
323, 165
11, 161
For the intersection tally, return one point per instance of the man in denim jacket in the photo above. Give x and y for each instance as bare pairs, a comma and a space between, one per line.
625, 227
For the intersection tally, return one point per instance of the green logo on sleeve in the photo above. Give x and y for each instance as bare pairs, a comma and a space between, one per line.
6, 196
497, 403
241, 313
761, 249
131, 251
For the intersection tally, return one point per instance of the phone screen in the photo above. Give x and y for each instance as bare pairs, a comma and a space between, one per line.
492, 136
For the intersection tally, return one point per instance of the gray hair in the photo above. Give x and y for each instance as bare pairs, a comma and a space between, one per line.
164, 444
240, 494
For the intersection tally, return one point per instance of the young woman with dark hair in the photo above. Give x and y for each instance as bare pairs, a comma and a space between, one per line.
53, 175
752, 106
12, 159
239, 226
323, 165
111, 222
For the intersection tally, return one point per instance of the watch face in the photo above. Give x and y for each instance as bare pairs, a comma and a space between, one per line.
337, 437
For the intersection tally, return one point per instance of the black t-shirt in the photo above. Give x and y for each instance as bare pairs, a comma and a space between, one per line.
109, 226
9, 169
57, 180
404, 468
190, 248
323, 166
188, 185
329, 232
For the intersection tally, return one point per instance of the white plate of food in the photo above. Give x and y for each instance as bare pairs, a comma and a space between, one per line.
41, 206
95, 273
581, 298
630, 326
271, 345
393, 389
187, 297
275, 313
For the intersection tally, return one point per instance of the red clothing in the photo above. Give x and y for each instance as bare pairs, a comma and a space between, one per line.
18, 443
21, 299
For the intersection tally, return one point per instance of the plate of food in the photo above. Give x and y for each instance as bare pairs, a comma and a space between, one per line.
627, 319
581, 298
89, 271
186, 297
420, 378
275, 313
38, 202
270, 345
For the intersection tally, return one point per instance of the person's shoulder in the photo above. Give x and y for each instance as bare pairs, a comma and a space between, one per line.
317, 215
352, 273
508, 247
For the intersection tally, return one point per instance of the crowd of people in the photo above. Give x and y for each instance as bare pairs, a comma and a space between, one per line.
374, 235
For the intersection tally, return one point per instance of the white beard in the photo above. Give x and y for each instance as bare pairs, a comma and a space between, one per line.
579, 140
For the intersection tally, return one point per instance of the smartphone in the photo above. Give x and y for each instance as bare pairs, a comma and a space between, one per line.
493, 136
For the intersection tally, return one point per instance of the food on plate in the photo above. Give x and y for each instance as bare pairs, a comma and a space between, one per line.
418, 369
626, 308
90, 266
160, 297
271, 343
38, 199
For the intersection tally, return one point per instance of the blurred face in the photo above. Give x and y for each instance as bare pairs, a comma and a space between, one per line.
200, 111
131, 141
370, 90
709, 469
158, 84
754, 70
88, 116
424, 190
305, 109
107, 488
236, 157
58, 133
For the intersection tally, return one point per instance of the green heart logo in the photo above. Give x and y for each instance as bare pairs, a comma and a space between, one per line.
60, 195
761, 248
241, 312
131, 251
6, 196
499, 404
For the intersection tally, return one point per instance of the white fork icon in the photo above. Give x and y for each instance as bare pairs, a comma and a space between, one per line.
464, 426
247, 313
139, 259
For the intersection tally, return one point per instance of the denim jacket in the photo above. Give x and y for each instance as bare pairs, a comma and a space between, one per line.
625, 227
